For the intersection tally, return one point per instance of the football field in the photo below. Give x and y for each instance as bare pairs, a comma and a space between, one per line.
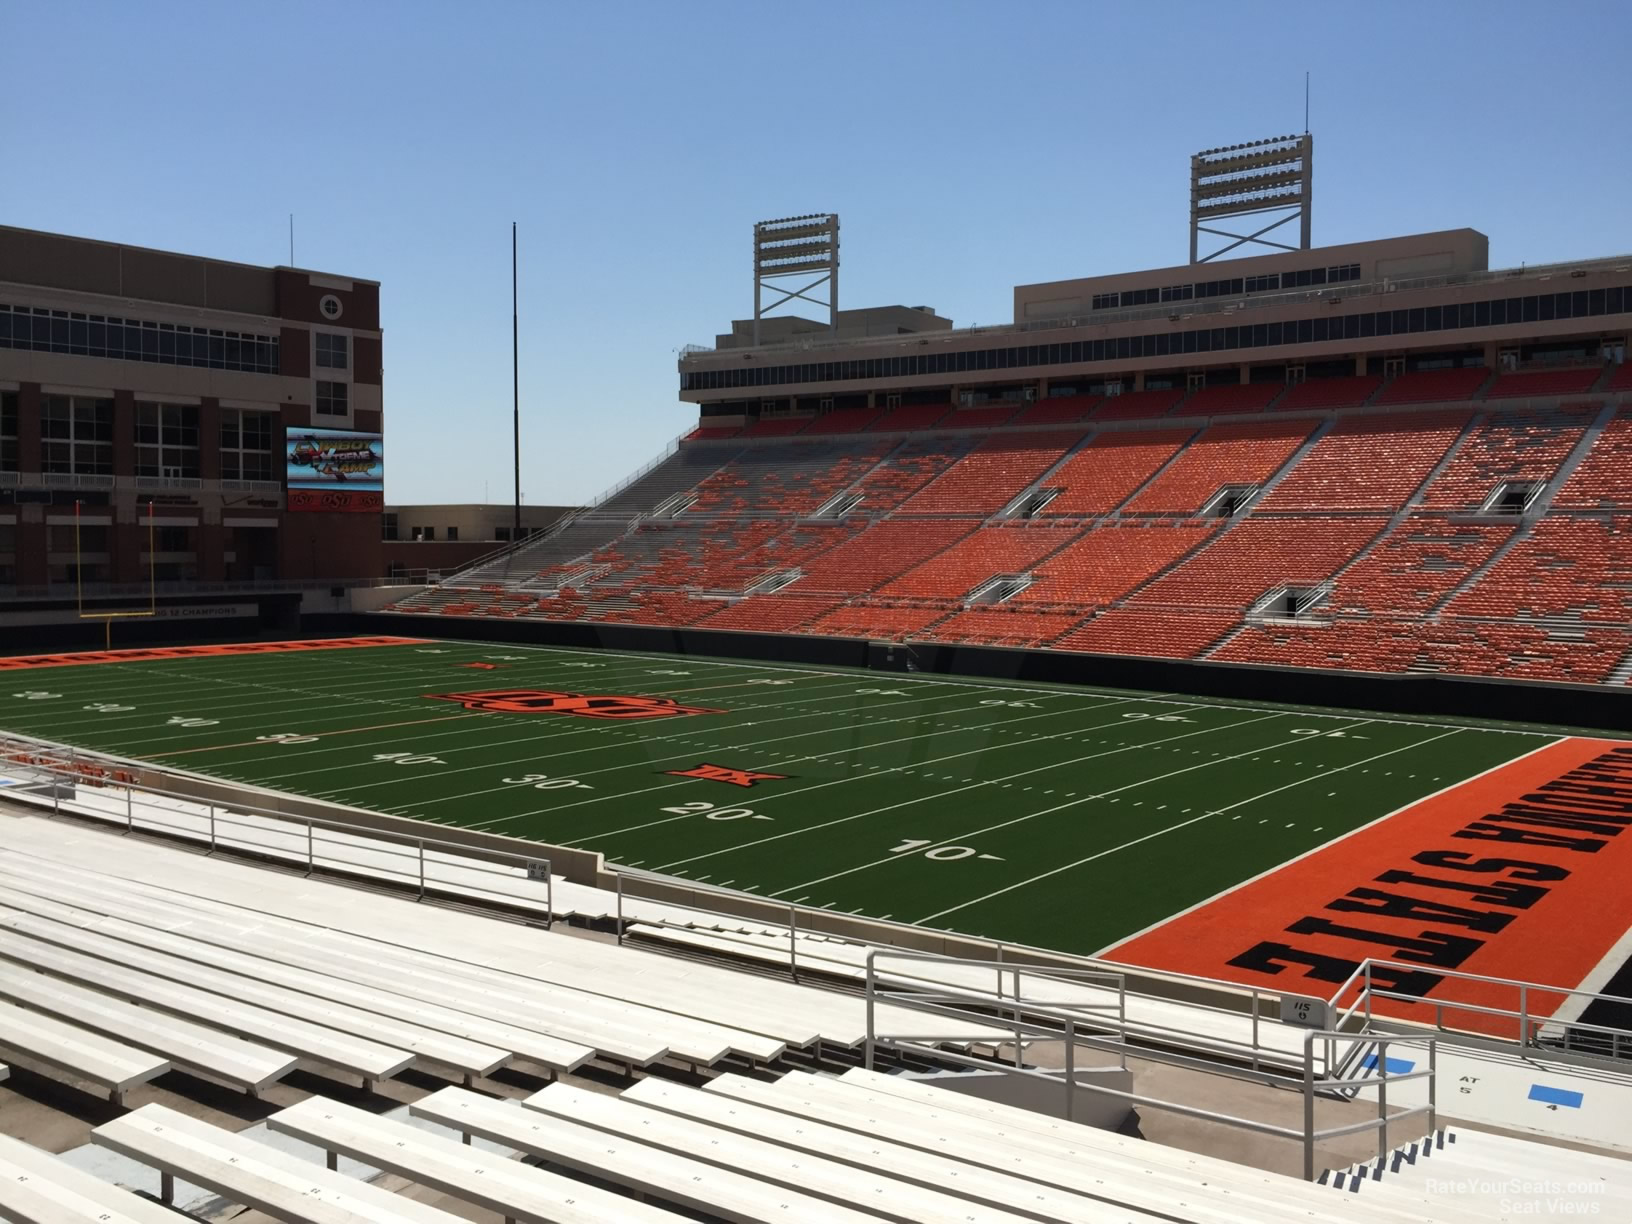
1065, 818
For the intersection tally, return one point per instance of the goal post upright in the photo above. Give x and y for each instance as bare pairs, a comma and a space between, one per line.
107, 618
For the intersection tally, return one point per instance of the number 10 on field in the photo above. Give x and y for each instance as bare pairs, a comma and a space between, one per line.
941, 854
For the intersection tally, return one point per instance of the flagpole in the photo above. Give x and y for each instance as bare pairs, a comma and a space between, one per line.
515, 379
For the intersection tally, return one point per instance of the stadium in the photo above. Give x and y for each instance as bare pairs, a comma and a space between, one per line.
1159, 758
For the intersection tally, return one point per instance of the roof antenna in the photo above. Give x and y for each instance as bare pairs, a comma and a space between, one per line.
1306, 102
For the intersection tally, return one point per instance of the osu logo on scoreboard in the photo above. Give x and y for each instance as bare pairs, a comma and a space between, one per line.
579, 705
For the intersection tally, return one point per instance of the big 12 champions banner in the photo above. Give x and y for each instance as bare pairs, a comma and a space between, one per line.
335, 469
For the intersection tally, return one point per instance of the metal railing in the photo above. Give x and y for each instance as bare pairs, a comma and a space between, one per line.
1112, 1033
668, 451
1260, 1006
316, 843
1525, 1020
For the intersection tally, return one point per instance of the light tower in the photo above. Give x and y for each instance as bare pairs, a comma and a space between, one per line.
1274, 176
802, 247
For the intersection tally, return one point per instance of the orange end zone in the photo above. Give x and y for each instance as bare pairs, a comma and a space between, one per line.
1520, 873
80, 658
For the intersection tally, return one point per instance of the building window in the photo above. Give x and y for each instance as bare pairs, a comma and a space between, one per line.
332, 351
424, 533
167, 440
8, 431
76, 435
331, 399
36, 329
246, 444
453, 533
388, 525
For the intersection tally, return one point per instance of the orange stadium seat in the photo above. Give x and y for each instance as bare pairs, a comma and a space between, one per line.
1157, 633
1099, 477
1328, 393
1370, 462
990, 551
1258, 554
1248, 452
1229, 400
1447, 386
911, 416
1136, 405
1057, 410
1604, 479
1542, 383
1527, 445
1107, 563
993, 473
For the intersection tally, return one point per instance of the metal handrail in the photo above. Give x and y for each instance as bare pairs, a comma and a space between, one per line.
103, 772
1044, 1026
1527, 1022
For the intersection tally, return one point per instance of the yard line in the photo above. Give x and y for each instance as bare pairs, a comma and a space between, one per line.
209, 705
349, 731
304, 753
939, 795
1193, 820
1155, 698
623, 765
1323, 845
590, 729
814, 756
1059, 807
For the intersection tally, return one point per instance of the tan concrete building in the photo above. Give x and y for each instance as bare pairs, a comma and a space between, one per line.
1381, 307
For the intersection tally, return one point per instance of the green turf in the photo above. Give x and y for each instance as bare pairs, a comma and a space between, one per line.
1058, 817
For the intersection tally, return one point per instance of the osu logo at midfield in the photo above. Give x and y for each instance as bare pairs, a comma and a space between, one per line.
580, 705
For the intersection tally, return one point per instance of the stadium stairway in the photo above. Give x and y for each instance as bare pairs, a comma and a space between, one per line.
1499, 1175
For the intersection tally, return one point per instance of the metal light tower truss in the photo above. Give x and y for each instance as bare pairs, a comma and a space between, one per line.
1274, 176
801, 247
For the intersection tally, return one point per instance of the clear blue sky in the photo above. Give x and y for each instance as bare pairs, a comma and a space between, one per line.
968, 148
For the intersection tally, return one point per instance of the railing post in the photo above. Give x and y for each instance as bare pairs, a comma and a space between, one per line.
1433, 1086
1524, 1015
1122, 1017
212, 828
311, 858
1309, 1108
1000, 970
549, 895
1255, 1001
1382, 1101
620, 909
1071, 1068
130, 812
793, 942
421, 845
869, 1050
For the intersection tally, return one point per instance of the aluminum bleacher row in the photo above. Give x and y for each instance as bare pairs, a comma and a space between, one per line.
1446, 520
94, 930
128, 960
